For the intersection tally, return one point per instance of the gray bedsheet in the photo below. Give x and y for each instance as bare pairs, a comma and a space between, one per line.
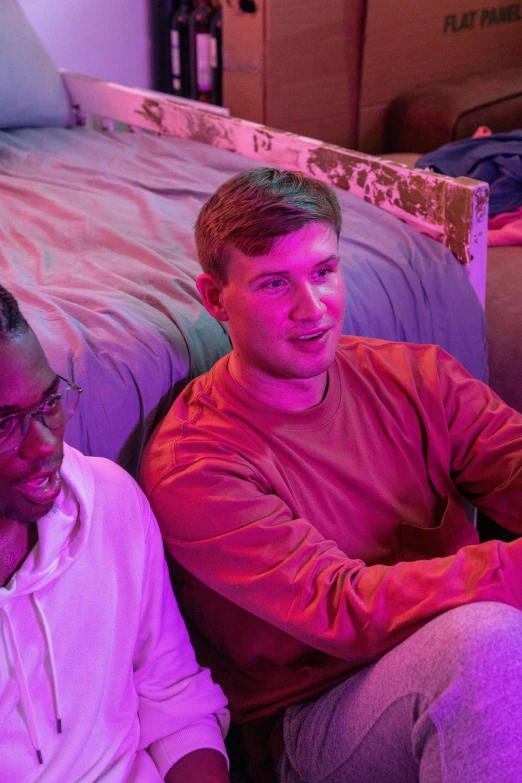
96, 243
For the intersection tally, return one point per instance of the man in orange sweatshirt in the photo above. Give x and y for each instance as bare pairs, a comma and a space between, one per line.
310, 491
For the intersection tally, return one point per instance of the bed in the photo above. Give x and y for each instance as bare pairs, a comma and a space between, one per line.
96, 243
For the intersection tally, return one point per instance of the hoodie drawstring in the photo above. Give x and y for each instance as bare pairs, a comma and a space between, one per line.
24, 690
25, 695
50, 649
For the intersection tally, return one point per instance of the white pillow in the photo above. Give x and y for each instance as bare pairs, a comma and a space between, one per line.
31, 89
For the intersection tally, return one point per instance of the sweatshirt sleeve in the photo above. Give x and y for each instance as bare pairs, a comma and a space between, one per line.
180, 708
244, 543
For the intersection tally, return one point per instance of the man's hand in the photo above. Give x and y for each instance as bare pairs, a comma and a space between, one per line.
200, 766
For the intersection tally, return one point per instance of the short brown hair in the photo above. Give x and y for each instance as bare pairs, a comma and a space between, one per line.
252, 209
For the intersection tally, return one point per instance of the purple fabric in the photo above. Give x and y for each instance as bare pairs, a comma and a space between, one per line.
496, 159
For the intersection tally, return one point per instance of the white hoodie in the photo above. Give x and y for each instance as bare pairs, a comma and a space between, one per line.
92, 644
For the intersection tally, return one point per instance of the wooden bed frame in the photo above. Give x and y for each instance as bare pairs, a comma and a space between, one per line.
454, 211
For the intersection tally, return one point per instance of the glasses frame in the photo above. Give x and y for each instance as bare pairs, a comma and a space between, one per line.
24, 415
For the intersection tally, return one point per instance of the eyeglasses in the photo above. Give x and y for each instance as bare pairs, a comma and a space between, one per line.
54, 412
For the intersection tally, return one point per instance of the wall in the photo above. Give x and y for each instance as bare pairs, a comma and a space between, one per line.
104, 38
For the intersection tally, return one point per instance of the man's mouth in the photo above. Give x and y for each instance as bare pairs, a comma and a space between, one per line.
41, 489
311, 336
39, 482
314, 336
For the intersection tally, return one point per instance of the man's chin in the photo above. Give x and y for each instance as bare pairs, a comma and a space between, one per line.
309, 370
26, 516
27, 509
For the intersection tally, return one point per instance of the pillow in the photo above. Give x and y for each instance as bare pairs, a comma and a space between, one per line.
31, 89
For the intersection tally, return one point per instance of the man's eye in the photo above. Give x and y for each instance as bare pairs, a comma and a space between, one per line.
6, 427
52, 404
324, 272
274, 284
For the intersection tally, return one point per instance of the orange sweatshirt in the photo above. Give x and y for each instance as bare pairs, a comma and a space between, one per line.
309, 543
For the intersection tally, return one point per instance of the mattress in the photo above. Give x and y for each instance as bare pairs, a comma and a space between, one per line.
96, 243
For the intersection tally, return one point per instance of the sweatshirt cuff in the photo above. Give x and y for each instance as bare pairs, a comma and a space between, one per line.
205, 733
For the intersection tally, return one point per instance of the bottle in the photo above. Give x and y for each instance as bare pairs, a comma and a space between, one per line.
180, 48
200, 51
160, 16
216, 57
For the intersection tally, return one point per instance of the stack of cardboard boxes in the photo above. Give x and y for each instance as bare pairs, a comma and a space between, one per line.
330, 68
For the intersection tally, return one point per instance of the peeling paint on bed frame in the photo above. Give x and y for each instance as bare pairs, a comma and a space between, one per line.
454, 211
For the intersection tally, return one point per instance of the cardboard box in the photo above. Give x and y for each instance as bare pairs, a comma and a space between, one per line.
294, 65
408, 43
330, 68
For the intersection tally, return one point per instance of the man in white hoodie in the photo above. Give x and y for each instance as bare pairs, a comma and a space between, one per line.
98, 679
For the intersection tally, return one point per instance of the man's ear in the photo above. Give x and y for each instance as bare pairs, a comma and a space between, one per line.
210, 289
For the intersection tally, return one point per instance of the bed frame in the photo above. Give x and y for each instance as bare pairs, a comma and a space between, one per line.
454, 211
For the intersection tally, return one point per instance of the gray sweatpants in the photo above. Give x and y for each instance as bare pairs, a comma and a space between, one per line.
444, 705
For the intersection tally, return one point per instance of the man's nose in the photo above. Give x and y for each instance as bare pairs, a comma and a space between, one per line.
39, 441
307, 305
